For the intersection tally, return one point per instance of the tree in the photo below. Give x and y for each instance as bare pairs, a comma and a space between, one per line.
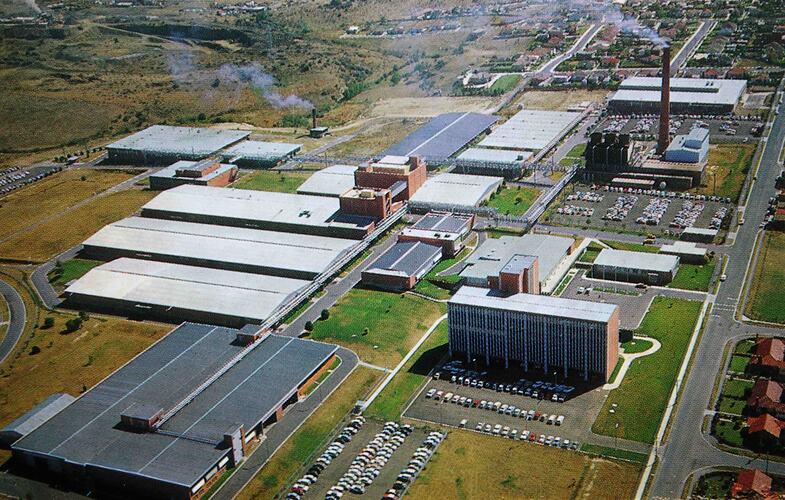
35, 350
83, 316
325, 314
308, 326
73, 325
49, 322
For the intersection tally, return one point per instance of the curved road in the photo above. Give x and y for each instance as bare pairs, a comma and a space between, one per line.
16, 322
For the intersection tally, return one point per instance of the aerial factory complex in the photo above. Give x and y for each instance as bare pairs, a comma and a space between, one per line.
360, 250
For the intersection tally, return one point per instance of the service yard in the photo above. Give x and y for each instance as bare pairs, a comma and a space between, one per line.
590, 206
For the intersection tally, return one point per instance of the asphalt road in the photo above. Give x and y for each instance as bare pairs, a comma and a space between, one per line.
280, 432
681, 58
687, 448
16, 323
40, 279
581, 44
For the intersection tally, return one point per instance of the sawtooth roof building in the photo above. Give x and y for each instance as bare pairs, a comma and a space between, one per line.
296, 213
640, 94
400, 267
164, 144
173, 419
175, 292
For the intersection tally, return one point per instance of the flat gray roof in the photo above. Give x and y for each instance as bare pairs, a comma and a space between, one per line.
495, 253
531, 129
233, 246
684, 248
257, 206
443, 136
683, 90
40, 413
166, 139
636, 260
330, 181
457, 189
544, 305
260, 150
215, 291
444, 222
504, 156
88, 432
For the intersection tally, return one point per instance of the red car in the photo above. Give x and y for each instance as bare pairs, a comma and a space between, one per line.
533, 437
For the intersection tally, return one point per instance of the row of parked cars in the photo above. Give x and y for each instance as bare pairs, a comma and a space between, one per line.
664, 194
526, 435
620, 208
654, 211
497, 406
718, 218
688, 215
301, 486
416, 464
12, 181
367, 465
585, 196
537, 388
575, 210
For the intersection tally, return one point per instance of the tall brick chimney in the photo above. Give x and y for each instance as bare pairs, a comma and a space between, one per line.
665, 101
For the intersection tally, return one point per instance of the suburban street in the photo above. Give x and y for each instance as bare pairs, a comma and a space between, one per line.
693, 43
687, 448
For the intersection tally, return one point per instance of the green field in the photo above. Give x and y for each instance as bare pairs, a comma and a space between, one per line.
644, 392
591, 253
575, 154
693, 277
311, 436
504, 84
514, 200
632, 247
65, 272
391, 401
439, 287
604, 451
727, 166
734, 396
268, 180
739, 364
381, 327
469, 465
729, 433
767, 295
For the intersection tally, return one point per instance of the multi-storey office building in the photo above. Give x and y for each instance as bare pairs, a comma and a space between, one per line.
537, 332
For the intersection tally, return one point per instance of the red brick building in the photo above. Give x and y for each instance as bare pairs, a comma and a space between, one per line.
373, 202
385, 173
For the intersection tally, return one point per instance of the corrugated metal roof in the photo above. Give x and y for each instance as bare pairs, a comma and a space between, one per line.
443, 136
179, 140
261, 150
457, 189
330, 181
683, 90
535, 304
407, 257
494, 253
530, 129
506, 156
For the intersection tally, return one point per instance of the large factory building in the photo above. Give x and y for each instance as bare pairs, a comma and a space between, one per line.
687, 95
170, 422
164, 145
537, 332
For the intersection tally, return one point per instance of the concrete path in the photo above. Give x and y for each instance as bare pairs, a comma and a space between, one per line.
629, 358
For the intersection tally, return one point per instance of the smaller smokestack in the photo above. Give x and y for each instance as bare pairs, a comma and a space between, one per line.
313, 117
665, 101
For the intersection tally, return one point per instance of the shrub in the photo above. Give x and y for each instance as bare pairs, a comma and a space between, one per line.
308, 326
49, 322
35, 350
325, 314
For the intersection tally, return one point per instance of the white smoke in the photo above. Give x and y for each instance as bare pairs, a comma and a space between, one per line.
33, 5
611, 13
184, 70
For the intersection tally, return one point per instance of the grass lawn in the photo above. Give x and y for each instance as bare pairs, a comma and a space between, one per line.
498, 232
693, 276
470, 465
728, 165
269, 180
604, 451
733, 406
735, 388
70, 270
514, 200
590, 254
632, 247
432, 284
729, 433
745, 347
394, 323
50, 196
636, 345
767, 295
53, 237
646, 387
377, 138
739, 364
714, 485
504, 84
391, 401
310, 437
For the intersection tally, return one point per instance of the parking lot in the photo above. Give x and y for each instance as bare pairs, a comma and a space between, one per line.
636, 210
338, 468
646, 127
535, 418
14, 178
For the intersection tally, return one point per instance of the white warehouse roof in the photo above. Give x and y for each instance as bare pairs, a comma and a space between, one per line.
261, 150
179, 140
235, 246
683, 90
457, 189
506, 156
535, 304
626, 259
330, 181
227, 293
494, 253
249, 205
531, 129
